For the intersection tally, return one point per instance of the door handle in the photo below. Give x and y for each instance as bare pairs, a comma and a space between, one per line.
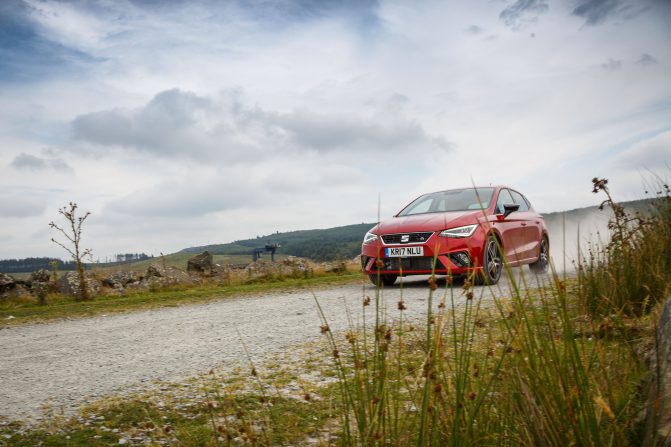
524, 224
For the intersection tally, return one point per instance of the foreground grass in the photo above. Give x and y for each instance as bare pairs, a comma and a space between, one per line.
505, 372
27, 310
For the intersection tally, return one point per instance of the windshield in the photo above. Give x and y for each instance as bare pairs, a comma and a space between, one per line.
453, 200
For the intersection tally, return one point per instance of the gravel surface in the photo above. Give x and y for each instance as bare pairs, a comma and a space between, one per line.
68, 363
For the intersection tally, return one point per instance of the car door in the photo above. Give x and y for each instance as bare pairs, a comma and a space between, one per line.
510, 228
530, 236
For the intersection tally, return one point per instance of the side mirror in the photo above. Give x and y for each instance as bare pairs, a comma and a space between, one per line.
509, 208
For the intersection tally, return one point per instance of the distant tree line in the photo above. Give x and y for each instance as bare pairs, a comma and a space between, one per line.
32, 264
29, 265
130, 257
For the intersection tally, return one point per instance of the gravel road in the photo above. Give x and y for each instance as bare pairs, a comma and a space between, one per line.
68, 363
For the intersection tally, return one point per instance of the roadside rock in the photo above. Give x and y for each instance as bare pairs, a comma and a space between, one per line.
40, 284
158, 276
201, 263
290, 267
335, 267
119, 280
68, 284
9, 286
41, 275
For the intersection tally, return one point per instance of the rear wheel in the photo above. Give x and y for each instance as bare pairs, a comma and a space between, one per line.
492, 263
380, 280
541, 265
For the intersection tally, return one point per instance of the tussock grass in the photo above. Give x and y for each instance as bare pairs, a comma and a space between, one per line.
632, 271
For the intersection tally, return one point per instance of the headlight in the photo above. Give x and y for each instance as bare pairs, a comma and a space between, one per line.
369, 237
466, 231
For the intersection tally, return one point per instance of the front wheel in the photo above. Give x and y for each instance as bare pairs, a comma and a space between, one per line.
380, 280
492, 263
541, 265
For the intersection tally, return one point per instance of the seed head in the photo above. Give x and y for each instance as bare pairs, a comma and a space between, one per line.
366, 301
401, 305
432, 283
324, 328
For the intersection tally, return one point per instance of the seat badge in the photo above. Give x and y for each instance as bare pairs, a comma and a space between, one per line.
405, 238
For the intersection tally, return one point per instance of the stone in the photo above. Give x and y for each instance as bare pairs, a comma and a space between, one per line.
201, 263
335, 267
7, 283
41, 275
68, 284
120, 279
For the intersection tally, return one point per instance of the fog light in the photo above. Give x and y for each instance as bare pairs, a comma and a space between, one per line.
461, 259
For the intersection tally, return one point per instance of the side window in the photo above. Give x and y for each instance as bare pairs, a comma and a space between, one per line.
504, 198
519, 199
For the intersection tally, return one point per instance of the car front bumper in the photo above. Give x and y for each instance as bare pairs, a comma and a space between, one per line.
441, 255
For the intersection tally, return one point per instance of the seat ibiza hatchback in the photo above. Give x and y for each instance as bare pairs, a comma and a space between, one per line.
469, 231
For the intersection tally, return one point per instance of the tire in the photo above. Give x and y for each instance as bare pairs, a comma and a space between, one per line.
492, 263
382, 280
541, 265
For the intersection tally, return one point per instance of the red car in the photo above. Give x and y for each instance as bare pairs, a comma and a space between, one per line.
458, 232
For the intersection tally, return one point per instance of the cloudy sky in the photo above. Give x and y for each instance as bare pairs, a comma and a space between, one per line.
189, 122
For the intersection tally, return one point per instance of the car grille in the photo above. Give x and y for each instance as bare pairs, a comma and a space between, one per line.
413, 238
419, 263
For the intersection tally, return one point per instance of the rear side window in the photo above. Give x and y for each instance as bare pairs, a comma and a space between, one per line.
504, 199
520, 200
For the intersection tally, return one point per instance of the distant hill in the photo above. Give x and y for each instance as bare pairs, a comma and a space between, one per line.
320, 245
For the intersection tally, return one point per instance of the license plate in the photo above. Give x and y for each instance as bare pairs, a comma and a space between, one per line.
403, 252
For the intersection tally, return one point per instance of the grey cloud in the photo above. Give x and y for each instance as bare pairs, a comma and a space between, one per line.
178, 124
14, 206
612, 64
324, 132
474, 29
172, 124
29, 162
646, 59
523, 12
596, 11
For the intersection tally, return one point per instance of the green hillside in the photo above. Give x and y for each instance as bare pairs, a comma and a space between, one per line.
319, 245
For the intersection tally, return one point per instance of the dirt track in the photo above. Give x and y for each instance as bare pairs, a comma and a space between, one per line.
68, 363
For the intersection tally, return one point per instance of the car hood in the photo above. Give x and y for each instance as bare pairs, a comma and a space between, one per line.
427, 222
